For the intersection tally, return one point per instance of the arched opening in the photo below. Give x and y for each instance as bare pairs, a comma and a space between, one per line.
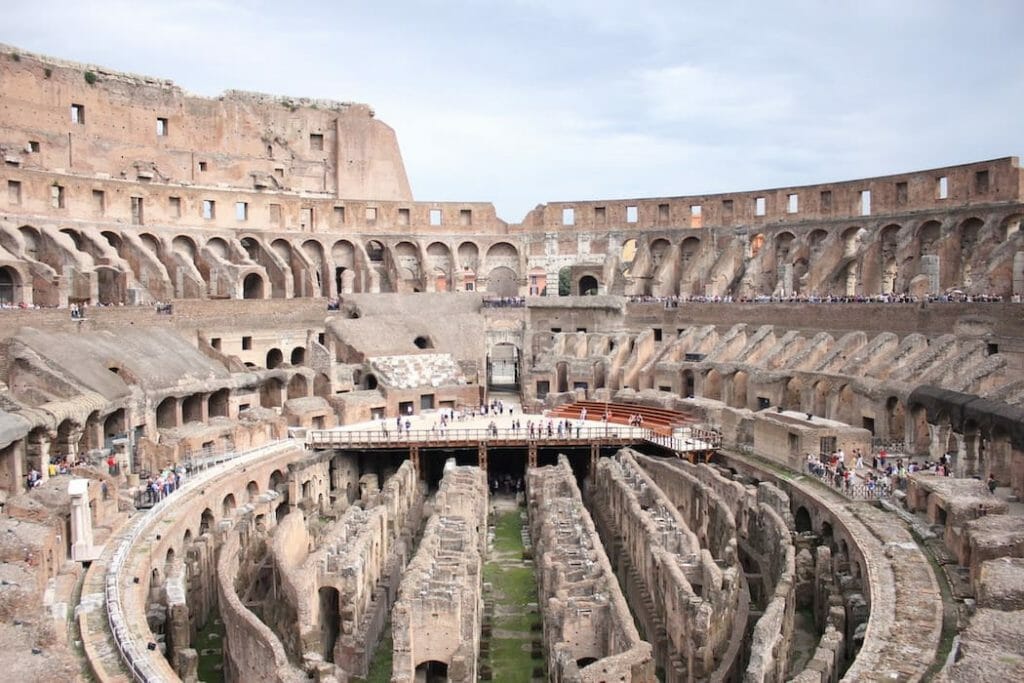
298, 387
802, 519
565, 281
168, 561
330, 620
370, 381
114, 425
321, 385
375, 251
274, 358
206, 521
792, 397
584, 662
432, 672
688, 384
298, 356
628, 254
227, 506
8, 282
217, 247
739, 390
895, 415
713, 385
219, 402
270, 393
588, 285
192, 409
423, 342
562, 377
108, 286
252, 489
252, 287
167, 413
502, 281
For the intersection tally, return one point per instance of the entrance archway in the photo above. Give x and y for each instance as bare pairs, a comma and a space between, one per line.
252, 287
588, 285
8, 281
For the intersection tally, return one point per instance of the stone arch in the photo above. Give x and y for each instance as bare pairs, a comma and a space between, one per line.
298, 386
802, 520
219, 403
739, 389
756, 243
270, 393
206, 521
218, 246
192, 408
561, 376
283, 249
252, 248
712, 388
851, 240
792, 398
819, 398
1009, 226
329, 620
151, 243
895, 418
927, 236
274, 358
298, 356
689, 383
816, 240
252, 489
375, 251
10, 282
919, 434
469, 256
253, 287
228, 505
75, 236
588, 285
628, 253
321, 385
113, 239
185, 246
109, 286
659, 249
167, 413
502, 254
888, 241
845, 405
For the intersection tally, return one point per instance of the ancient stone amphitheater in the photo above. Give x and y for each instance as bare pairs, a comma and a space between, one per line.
264, 417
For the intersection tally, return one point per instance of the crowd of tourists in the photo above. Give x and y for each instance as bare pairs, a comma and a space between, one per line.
950, 297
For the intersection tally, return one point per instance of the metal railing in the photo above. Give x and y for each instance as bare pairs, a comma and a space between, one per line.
323, 438
133, 653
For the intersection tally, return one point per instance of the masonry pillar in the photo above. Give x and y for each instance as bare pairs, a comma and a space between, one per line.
531, 454
595, 453
481, 456
930, 268
81, 522
414, 457
38, 453
1017, 288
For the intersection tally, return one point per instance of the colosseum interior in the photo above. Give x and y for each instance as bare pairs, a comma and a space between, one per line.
264, 417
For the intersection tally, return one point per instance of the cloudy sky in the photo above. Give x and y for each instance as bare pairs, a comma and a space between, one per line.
521, 102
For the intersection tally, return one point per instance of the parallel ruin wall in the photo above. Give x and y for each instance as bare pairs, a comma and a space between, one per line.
588, 630
439, 610
693, 581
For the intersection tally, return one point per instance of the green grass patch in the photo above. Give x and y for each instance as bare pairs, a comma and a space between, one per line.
210, 640
518, 623
380, 665
511, 661
507, 533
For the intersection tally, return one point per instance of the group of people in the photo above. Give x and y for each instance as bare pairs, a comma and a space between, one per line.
885, 473
165, 483
949, 297
55, 467
505, 302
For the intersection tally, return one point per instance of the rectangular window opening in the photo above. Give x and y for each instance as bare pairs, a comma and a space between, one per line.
371, 214
465, 217
57, 196
981, 182
241, 211
792, 203
728, 206
279, 173
826, 200
215, 343
138, 218
306, 219
865, 202
99, 201
246, 343
316, 142
403, 216
339, 215
174, 206
664, 212
942, 187
202, 166
696, 216
33, 146
275, 214
632, 214
435, 216
14, 192
760, 206
902, 194
78, 114
568, 216
657, 334
161, 127
209, 209
600, 215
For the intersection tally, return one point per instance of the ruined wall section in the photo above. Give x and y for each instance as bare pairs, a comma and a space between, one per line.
694, 586
92, 120
438, 613
589, 632
343, 590
764, 537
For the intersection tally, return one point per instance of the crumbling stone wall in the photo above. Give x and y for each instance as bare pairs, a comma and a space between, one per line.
589, 633
693, 585
438, 613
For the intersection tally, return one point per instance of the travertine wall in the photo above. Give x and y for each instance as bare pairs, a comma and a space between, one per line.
693, 584
438, 614
588, 631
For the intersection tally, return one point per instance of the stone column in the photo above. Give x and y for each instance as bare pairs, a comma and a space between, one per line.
930, 268
81, 521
